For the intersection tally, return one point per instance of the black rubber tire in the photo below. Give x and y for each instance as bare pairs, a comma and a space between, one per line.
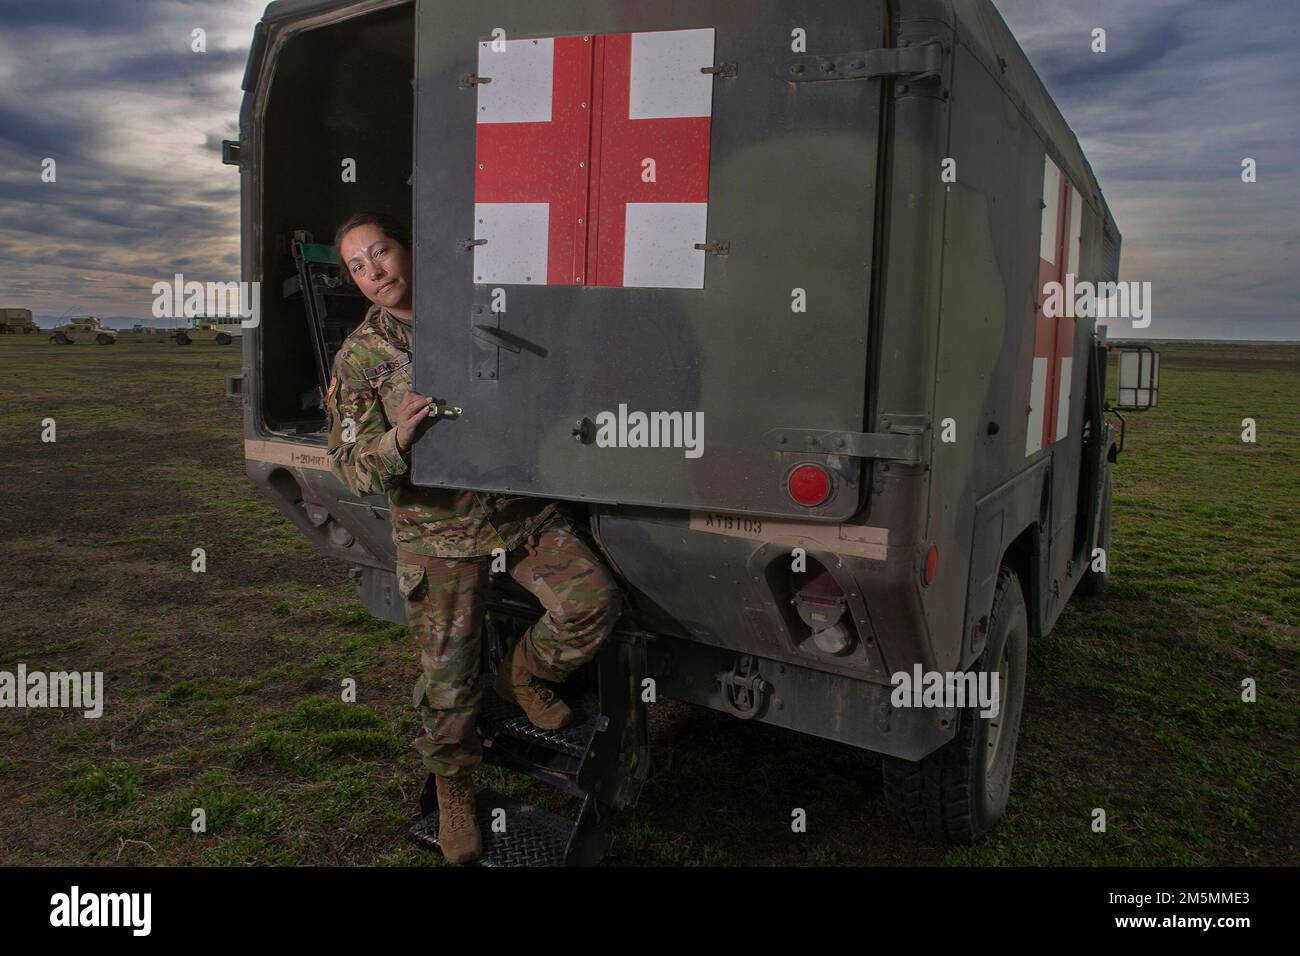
951, 795
182, 338
1093, 583
223, 338
102, 339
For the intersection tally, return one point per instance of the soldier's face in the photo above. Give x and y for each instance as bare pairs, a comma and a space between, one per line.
379, 266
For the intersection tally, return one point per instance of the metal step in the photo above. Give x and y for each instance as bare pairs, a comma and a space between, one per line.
533, 836
504, 726
601, 758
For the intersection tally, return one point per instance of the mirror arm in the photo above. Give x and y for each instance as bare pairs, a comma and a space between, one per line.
1122, 426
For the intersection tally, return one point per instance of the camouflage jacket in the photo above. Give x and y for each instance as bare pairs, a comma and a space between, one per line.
372, 372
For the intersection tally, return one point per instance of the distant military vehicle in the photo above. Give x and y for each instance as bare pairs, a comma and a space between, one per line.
17, 320
829, 234
204, 332
82, 327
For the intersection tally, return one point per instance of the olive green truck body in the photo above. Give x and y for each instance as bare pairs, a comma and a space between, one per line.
889, 419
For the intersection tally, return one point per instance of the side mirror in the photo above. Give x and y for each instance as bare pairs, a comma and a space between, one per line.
1139, 379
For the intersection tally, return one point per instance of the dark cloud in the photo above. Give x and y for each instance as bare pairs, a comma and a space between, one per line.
112, 91
134, 119
144, 68
1185, 91
30, 131
78, 16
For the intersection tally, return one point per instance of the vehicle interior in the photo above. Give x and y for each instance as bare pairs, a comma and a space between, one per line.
332, 89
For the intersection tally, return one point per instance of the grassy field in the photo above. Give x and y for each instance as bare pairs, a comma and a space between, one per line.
222, 688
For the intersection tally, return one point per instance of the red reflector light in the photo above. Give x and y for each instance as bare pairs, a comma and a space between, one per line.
809, 485
931, 564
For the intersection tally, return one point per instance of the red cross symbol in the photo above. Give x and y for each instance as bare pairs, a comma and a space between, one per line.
592, 159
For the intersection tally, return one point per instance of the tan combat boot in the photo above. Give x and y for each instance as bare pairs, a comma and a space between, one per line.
458, 834
516, 683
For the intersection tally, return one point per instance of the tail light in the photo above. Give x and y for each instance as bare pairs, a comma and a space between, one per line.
821, 605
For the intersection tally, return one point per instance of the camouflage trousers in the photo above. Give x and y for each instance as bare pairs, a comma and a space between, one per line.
445, 604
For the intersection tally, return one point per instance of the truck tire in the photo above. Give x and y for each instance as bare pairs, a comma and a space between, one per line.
960, 791
104, 339
223, 338
58, 338
182, 338
1094, 583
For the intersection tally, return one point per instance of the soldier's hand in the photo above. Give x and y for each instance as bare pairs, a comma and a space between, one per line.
413, 410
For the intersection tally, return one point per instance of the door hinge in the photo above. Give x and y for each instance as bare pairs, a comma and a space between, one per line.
916, 62
484, 352
230, 152
889, 446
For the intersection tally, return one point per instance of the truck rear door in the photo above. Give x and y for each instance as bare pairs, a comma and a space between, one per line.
643, 243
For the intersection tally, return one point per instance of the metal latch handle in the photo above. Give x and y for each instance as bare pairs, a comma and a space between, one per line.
494, 336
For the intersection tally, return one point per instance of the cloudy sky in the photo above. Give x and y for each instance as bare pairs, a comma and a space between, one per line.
111, 90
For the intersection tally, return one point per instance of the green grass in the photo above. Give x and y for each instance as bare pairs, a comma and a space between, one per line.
223, 688
105, 788
1204, 594
33, 656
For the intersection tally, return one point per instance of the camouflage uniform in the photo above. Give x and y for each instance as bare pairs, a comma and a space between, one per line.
445, 538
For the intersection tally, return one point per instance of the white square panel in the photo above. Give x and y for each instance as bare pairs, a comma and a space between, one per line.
522, 78
1063, 399
666, 78
1037, 399
517, 234
1076, 232
659, 244
1051, 210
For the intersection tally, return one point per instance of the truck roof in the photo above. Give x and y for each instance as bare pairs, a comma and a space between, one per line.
977, 22
981, 26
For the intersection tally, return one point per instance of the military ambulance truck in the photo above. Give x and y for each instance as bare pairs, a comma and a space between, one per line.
13, 321
756, 291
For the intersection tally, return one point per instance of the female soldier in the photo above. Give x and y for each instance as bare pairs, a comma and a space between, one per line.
445, 540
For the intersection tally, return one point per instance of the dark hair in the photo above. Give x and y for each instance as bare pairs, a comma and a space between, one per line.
391, 226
